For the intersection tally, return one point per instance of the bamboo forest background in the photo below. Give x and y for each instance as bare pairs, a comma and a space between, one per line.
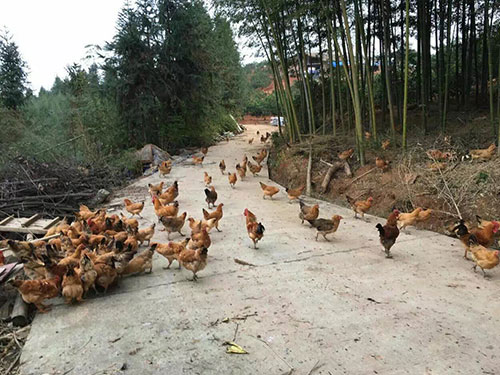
378, 60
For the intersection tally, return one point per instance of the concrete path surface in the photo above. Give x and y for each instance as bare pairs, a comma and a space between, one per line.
307, 307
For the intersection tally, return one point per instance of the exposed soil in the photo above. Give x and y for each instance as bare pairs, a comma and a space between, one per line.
472, 184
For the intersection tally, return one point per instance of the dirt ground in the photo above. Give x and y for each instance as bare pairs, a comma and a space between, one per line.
305, 307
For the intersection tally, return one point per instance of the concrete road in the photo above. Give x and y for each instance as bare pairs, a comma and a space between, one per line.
307, 307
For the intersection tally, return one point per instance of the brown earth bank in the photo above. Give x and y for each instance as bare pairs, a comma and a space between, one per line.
411, 179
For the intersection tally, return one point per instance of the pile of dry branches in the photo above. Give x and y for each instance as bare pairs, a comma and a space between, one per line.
29, 187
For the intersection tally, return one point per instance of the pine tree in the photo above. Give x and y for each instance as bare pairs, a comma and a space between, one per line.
13, 75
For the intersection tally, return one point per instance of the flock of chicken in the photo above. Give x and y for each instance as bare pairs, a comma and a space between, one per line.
97, 248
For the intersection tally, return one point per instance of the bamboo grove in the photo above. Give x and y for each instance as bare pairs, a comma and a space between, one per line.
378, 60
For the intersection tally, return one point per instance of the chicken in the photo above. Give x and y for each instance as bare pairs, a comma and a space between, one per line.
141, 263
241, 171
294, 194
260, 157
145, 234
197, 160
211, 196
171, 250
217, 215
199, 240
197, 225
249, 216
106, 274
424, 215
155, 189
254, 168
347, 154
74, 259
165, 168
131, 225
268, 190
222, 166
482, 257
360, 207
389, 232
36, 291
436, 155
133, 208
72, 287
325, 226
381, 164
85, 213
88, 274
483, 154
169, 195
436, 166
173, 223
386, 144
409, 219
232, 179
168, 210
308, 212
255, 230
250, 141
263, 139
204, 150
194, 260
485, 236
368, 136
207, 179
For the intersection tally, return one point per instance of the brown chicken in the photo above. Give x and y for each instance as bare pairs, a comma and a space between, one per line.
194, 260
222, 166
197, 225
232, 179
145, 234
169, 195
141, 263
437, 155
197, 160
255, 230
260, 157
199, 240
409, 219
360, 207
133, 208
385, 144
211, 196
325, 226
173, 224
85, 213
347, 154
207, 179
485, 236
171, 250
88, 274
250, 141
254, 168
72, 260
106, 274
72, 287
217, 215
242, 172
483, 154
389, 232
165, 168
424, 215
155, 189
368, 136
204, 150
167, 210
268, 190
482, 257
381, 164
37, 291
308, 212
294, 194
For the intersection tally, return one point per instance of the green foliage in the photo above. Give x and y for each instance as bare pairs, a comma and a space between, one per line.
13, 76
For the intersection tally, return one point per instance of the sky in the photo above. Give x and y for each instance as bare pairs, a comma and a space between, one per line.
52, 34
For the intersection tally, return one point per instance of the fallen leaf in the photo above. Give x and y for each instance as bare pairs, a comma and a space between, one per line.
234, 348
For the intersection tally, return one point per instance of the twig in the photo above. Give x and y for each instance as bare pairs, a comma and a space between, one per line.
325, 162
363, 175
316, 366
236, 332
276, 354
13, 364
239, 261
